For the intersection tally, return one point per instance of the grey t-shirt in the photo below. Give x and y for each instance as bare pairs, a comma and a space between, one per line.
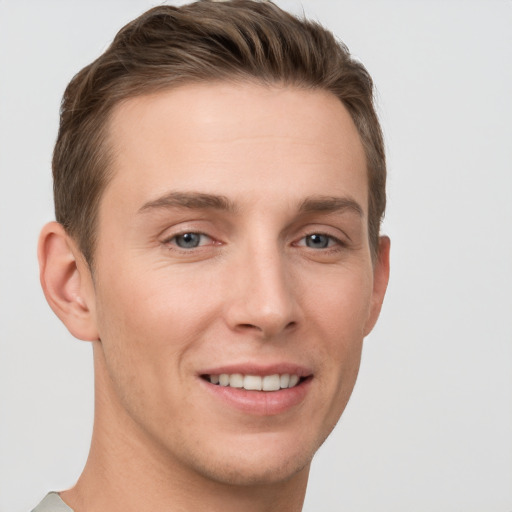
52, 503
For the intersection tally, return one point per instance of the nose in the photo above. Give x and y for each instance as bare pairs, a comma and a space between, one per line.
262, 295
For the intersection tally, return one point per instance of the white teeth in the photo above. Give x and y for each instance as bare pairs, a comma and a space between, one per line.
271, 383
236, 380
255, 382
284, 380
252, 382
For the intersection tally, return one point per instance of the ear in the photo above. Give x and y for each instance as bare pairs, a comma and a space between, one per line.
67, 282
380, 283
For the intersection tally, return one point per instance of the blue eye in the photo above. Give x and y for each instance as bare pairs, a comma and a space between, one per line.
318, 241
188, 240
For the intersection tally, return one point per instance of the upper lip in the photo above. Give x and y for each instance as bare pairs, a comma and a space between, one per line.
258, 369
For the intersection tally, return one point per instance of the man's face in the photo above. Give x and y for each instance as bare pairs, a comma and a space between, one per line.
233, 246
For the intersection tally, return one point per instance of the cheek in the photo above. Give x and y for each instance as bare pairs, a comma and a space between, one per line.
152, 323
147, 330
341, 302
341, 315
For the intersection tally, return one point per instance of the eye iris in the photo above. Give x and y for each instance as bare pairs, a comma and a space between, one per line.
317, 241
188, 240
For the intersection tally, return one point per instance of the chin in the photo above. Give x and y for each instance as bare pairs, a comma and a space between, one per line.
256, 460
243, 473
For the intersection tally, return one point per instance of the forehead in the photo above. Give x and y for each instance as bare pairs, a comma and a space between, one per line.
245, 140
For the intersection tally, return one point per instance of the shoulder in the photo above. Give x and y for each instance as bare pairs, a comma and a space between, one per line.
52, 503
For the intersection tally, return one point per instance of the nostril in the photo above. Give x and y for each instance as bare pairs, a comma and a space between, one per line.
249, 326
288, 326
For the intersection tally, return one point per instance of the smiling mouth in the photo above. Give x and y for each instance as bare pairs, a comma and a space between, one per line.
273, 382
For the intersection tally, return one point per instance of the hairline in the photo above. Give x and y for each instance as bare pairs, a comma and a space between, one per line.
107, 153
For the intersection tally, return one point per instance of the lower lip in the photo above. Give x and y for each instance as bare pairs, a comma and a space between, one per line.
260, 403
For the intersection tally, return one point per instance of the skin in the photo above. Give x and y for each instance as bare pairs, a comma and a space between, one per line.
259, 289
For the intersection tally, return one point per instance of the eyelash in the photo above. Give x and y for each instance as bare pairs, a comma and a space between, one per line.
334, 243
172, 240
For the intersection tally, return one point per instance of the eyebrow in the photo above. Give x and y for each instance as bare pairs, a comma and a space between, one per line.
202, 201
192, 200
330, 204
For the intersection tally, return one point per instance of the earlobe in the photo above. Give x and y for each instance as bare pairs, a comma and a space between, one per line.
380, 283
66, 282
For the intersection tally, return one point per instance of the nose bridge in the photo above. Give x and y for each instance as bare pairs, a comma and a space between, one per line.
263, 298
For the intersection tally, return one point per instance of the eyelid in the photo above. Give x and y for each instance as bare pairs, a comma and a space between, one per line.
337, 241
196, 225
169, 239
333, 231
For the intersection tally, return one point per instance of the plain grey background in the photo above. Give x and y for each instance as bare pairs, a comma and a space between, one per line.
429, 427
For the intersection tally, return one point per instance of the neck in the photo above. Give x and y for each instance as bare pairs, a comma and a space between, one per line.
128, 471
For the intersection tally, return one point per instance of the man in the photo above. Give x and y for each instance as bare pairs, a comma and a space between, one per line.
219, 182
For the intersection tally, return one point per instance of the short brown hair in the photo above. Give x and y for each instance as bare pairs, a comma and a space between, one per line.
203, 41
